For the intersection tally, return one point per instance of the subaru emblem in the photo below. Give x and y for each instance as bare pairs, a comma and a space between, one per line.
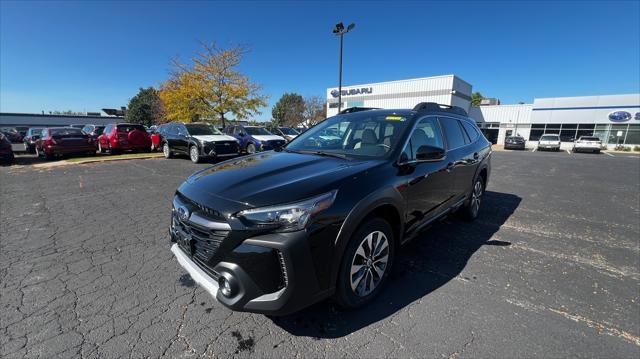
335, 93
183, 213
619, 116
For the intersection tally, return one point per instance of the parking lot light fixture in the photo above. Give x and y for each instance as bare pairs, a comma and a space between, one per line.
339, 30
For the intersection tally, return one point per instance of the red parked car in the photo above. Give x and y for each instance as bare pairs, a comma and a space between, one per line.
6, 153
124, 137
57, 141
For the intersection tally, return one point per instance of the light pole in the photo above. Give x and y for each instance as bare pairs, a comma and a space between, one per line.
339, 30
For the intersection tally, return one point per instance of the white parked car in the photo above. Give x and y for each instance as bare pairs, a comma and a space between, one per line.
549, 142
587, 143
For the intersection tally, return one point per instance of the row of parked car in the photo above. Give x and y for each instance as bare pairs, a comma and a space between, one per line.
197, 140
552, 142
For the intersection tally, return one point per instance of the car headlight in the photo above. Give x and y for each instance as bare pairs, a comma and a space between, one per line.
288, 217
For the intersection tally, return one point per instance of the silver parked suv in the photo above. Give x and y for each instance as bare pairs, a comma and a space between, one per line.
549, 142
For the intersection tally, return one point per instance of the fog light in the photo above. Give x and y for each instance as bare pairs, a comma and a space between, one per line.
225, 286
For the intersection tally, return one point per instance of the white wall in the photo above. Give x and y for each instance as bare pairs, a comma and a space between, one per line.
406, 93
581, 109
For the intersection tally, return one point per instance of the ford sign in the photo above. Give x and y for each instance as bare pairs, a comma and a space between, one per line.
351, 92
619, 116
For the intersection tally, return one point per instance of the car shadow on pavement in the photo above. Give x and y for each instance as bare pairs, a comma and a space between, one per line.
422, 266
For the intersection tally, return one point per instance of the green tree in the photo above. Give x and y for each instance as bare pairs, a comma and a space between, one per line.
315, 110
476, 98
289, 110
145, 108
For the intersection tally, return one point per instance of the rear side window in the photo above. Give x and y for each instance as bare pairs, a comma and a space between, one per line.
453, 133
472, 130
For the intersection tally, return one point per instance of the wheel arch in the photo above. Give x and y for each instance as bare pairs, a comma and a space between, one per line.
386, 203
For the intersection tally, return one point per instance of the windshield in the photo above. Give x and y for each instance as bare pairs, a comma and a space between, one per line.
129, 128
8, 130
202, 130
289, 131
550, 138
257, 131
66, 132
358, 134
587, 138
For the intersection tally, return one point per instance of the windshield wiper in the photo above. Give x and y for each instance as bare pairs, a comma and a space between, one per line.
319, 153
330, 154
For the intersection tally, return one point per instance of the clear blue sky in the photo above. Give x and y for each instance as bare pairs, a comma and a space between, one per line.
84, 56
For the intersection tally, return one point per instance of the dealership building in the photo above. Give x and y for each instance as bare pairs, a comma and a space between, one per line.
615, 119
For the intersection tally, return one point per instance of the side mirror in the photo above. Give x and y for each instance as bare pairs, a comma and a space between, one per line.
241, 134
426, 152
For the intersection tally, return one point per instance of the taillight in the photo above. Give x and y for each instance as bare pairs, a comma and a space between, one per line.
50, 141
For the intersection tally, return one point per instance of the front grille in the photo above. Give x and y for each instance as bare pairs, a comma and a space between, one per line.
203, 243
210, 213
226, 147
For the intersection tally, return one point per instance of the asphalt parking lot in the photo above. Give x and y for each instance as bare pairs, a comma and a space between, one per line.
550, 269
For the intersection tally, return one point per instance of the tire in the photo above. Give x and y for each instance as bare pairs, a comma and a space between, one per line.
251, 148
194, 154
166, 150
596, 151
471, 209
357, 289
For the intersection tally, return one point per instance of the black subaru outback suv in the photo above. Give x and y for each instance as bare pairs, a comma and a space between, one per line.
198, 140
276, 231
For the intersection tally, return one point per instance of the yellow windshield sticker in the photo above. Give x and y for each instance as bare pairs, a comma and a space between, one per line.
395, 118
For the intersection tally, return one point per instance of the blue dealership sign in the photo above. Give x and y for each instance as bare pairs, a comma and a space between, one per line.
620, 116
637, 118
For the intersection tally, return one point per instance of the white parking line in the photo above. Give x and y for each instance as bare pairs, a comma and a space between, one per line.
608, 154
534, 149
569, 152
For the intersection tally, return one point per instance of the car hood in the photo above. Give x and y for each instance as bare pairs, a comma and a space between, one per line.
267, 137
214, 138
269, 178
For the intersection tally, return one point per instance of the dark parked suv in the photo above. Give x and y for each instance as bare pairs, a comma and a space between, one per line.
276, 231
198, 140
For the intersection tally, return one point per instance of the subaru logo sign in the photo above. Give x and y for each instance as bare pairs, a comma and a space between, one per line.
637, 118
619, 116
351, 92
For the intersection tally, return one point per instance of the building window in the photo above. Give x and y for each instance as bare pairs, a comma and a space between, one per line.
585, 130
617, 134
552, 128
568, 132
633, 135
536, 131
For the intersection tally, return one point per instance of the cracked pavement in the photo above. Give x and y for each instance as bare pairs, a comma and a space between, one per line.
550, 269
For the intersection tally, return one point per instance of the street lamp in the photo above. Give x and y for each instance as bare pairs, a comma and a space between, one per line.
340, 30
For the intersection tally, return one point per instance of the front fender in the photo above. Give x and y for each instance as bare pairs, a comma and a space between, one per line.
381, 197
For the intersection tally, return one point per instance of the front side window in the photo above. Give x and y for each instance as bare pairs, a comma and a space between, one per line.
358, 134
453, 132
426, 133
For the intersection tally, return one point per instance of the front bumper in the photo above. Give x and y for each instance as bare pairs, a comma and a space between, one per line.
586, 148
518, 146
548, 147
247, 268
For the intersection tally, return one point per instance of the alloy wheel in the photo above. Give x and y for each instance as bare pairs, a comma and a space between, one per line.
193, 153
369, 263
476, 197
165, 150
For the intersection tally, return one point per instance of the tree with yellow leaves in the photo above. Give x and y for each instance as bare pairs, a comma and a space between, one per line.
211, 87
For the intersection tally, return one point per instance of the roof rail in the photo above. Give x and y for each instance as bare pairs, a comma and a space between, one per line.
436, 107
357, 109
